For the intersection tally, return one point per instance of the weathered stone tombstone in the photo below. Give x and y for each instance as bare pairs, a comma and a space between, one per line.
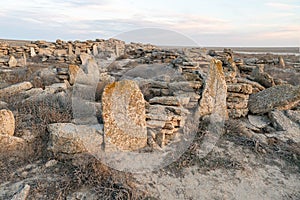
95, 50
213, 108
77, 51
124, 115
73, 70
12, 62
215, 91
32, 52
84, 57
70, 49
7, 122
24, 59
281, 62
83, 95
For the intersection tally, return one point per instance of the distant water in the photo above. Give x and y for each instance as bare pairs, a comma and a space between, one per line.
274, 53
262, 50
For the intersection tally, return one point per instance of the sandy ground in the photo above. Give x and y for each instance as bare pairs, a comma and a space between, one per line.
255, 177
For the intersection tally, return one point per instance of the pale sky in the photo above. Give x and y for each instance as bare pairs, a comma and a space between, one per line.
208, 23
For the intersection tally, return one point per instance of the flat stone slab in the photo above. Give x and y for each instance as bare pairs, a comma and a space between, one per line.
240, 88
294, 115
16, 88
150, 71
282, 123
281, 97
259, 121
167, 100
68, 138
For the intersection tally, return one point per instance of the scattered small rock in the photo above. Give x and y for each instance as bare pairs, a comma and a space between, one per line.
3, 105
282, 123
22, 194
259, 121
51, 163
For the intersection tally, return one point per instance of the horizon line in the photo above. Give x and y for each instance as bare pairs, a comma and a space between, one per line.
159, 45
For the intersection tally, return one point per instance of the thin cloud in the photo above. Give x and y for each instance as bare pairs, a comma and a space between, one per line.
192, 23
283, 6
82, 3
33, 20
274, 23
279, 36
157, 36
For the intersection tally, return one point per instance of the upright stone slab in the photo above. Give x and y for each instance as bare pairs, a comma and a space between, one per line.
95, 50
215, 91
32, 52
24, 59
83, 94
7, 122
12, 62
70, 49
124, 115
84, 58
73, 70
281, 62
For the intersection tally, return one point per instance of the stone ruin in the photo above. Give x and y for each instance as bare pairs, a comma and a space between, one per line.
56, 52
145, 89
